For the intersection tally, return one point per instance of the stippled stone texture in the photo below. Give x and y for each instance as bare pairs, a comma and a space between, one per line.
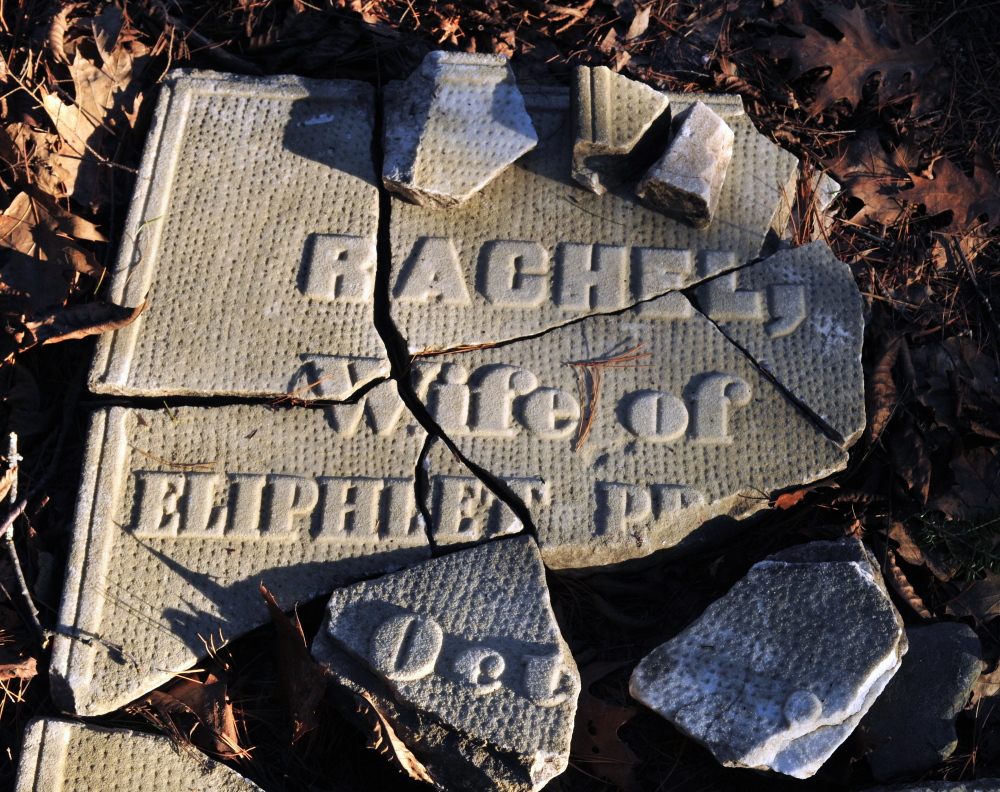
252, 234
686, 431
778, 673
800, 316
687, 181
535, 249
917, 712
464, 657
452, 127
182, 514
63, 756
611, 115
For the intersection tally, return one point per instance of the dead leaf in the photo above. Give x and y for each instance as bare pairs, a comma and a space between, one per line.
210, 705
890, 51
57, 32
986, 686
78, 321
595, 734
639, 24
883, 396
7, 481
385, 741
979, 599
977, 485
950, 190
303, 681
897, 579
23, 669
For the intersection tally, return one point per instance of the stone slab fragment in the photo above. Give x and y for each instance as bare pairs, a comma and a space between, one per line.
800, 316
918, 709
66, 756
777, 673
252, 234
181, 515
464, 656
534, 250
691, 432
452, 127
611, 115
686, 182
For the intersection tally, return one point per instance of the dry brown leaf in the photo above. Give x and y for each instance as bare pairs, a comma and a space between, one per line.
882, 392
7, 481
977, 485
56, 37
639, 24
896, 578
595, 740
78, 321
208, 702
386, 742
950, 190
903, 65
303, 680
979, 599
24, 669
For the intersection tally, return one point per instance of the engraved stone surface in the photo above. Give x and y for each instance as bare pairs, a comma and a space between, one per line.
799, 315
918, 709
182, 513
252, 234
690, 432
686, 182
611, 115
463, 655
456, 123
535, 250
778, 673
66, 756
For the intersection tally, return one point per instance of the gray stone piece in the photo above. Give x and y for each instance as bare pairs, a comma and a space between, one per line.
918, 709
452, 127
800, 316
66, 756
536, 250
682, 430
463, 655
183, 513
777, 673
252, 235
611, 115
687, 181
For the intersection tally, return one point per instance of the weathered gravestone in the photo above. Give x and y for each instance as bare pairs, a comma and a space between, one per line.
463, 656
534, 250
183, 513
63, 756
252, 234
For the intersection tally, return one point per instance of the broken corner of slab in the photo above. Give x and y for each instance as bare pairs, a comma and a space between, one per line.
452, 127
66, 756
613, 119
799, 315
183, 513
463, 656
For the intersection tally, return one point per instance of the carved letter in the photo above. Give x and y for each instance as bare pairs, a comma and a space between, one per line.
396, 510
432, 272
497, 386
548, 681
620, 506
350, 508
340, 268
674, 497
291, 496
515, 274
723, 302
336, 377
246, 495
477, 662
406, 647
461, 509
158, 494
592, 276
712, 400
202, 518
786, 302
550, 413
655, 416
381, 405
448, 399
657, 271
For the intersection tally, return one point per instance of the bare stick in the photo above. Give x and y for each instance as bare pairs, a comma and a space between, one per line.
156, 11
975, 282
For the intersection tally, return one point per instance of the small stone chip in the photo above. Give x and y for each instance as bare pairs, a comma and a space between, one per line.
688, 179
778, 673
66, 756
454, 125
611, 115
463, 656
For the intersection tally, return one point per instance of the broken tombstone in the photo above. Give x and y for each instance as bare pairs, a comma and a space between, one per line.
918, 709
452, 127
799, 316
687, 180
182, 514
778, 673
614, 132
66, 756
248, 283
462, 657
535, 250
618, 435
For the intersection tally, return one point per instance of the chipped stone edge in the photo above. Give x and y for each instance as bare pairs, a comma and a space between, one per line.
112, 361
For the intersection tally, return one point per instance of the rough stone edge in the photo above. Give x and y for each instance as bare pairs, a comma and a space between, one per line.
112, 360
